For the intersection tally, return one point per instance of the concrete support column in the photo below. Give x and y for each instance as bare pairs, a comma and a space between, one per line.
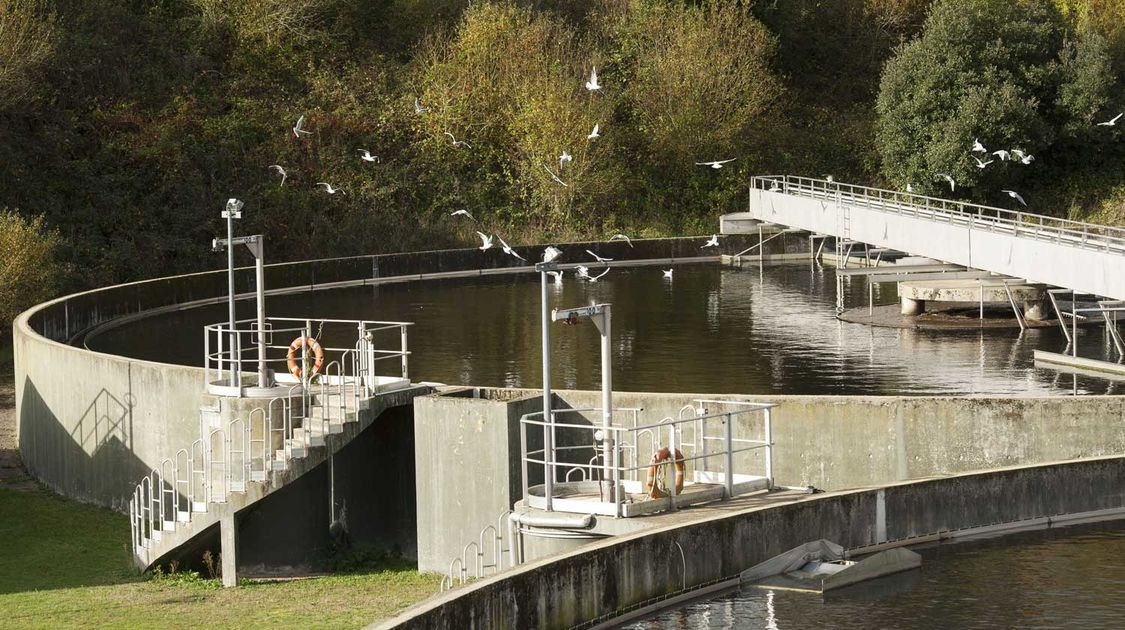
228, 548
911, 306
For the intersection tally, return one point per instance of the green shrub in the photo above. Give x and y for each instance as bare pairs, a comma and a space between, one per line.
28, 272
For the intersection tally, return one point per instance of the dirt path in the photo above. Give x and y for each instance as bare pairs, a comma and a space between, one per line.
12, 474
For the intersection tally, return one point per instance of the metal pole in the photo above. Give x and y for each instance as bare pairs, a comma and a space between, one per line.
260, 281
230, 284
548, 417
1074, 323
607, 404
769, 448
730, 457
405, 357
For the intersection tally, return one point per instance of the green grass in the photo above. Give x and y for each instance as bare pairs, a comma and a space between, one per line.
67, 565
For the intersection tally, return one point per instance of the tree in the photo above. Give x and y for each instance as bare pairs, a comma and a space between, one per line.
998, 70
27, 265
26, 43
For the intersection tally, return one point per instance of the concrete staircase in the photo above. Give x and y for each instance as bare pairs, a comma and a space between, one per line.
236, 465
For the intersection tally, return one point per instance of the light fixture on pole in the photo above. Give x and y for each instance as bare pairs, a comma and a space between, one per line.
550, 256
256, 245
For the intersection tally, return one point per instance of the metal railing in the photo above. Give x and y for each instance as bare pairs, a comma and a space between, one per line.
706, 444
474, 562
358, 346
975, 216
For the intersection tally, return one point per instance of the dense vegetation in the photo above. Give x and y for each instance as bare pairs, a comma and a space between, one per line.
128, 124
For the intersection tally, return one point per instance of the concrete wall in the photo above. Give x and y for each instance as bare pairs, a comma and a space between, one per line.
979, 245
600, 580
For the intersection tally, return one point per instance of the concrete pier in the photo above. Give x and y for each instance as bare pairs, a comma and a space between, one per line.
1031, 298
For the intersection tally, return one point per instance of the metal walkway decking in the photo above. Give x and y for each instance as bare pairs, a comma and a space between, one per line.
1082, 257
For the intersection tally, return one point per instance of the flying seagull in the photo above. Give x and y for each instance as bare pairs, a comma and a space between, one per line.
621, 237
592, 84
508, 249
551, 254
1023, 158
712, 242
597, 258
1112, 123
1002, 154
277, 168
462, 213
978, 147
486, 241
298, 129
564, 158
949, 178
367, 157
1015, 195
329, 188
981, 164
594, 134
553, 176
457, 143
668, 273
595, 278
418, 109
717, 164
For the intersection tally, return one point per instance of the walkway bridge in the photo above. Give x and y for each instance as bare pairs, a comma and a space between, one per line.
239, 459
1082, 257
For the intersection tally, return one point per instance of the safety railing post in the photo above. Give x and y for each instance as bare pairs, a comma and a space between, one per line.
730, 455
769, 447
405, 356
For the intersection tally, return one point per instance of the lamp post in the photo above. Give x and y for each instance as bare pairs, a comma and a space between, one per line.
232, 211
256, 245
550, 256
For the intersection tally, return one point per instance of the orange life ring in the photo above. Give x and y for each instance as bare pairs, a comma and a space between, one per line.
295, 347
658, 459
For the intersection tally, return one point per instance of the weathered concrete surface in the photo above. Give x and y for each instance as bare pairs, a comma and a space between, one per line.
1031, 298
600, 580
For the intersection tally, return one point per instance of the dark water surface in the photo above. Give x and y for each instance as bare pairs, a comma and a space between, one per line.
712, 329
1061, 578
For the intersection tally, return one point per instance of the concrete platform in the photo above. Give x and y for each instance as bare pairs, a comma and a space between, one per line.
916, 296
941, 316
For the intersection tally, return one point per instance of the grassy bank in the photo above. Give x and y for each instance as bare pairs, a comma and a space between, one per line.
67, 565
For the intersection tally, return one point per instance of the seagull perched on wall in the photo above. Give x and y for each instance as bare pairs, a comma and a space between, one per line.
981, 164
593, 84
486, 241
595, 278
463, 213
1002, 154
277, 168
978, 147
1015, 195
299, 129
1021, 157
457, 143
329, 188
1112, 123
712, 242
508, 249
621, 237
715, 164
418, 109
367, 157
668, 273
598, 258
553, 176
564, 159
594, 134
551, 254
948, 178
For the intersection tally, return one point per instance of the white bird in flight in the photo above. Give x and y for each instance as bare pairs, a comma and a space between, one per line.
949, 178
716, 164
551, 254
598, 258
367, 157
594, 134
486, 241
564, 158
457, 143
1023, 158
981, 164
668, 273
1002, 154
329, 188
508, 249
298, 129
418, 109
462, 212
553, 176
592, 84
621, 237
1015, 195
712, 242
277, 168
595, 278
978, 147
1112, 123
582, 271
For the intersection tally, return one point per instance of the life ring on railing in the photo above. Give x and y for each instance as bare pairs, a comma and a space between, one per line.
655, 490
314, 347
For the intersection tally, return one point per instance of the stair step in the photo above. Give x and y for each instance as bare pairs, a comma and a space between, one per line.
156, 535
237, 486
257, 475
198, 506
168, 526
183, 517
